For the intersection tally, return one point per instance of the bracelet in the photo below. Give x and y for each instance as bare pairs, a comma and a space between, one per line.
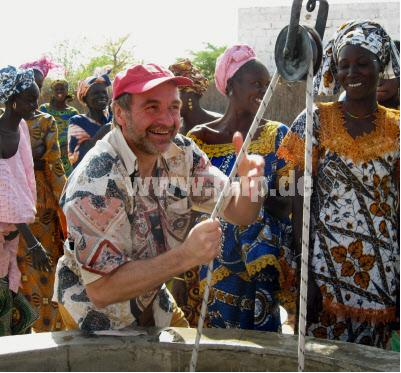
33, 247
178, 279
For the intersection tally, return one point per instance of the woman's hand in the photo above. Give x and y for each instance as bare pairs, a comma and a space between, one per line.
40, 258
179, 291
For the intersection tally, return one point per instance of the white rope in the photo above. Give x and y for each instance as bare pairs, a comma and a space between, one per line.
306, 219
258, 116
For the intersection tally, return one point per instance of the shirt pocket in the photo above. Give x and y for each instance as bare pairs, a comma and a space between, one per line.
177, 201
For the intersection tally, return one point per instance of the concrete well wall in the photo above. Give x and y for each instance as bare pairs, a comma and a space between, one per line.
170, 350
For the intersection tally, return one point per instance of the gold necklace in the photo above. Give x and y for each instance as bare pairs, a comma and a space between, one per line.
359, 116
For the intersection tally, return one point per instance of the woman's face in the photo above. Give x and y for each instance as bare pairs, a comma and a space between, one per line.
388, 89
27, 102
249, 85
60, 92
97, 97
358, 71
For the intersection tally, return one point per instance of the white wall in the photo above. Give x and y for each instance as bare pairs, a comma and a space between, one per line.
260, 26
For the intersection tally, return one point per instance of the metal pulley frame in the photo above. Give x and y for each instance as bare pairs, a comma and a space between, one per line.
298, 55
296, 45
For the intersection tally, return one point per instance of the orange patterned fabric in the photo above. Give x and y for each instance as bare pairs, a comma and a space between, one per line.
354, 249
335, 137
50, 179
292, 150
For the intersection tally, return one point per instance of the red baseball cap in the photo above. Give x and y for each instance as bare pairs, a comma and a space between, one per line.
141, 78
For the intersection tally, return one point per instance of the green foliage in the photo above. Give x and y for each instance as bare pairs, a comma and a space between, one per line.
113, 53
205, 59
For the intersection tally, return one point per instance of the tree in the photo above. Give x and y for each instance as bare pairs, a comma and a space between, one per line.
118, 57
113, 53
68, 55
205, 59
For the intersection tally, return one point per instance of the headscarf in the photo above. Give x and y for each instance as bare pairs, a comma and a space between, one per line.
84, 85
14, 81
187, 69
229, 62
366, 34
43, 65
63, 82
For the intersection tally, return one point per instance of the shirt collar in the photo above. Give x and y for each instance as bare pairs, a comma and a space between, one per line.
130, 160
118, 142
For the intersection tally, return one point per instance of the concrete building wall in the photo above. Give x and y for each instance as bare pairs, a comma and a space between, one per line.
260, 26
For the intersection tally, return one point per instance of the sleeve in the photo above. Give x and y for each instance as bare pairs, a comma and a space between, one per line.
282, 167
76, 136
43, 108
207, 183
292, 148
99, 227
54, 169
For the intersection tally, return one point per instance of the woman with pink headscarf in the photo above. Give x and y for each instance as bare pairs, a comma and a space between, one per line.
245, 280
37, 286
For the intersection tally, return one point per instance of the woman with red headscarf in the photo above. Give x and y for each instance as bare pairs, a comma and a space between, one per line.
85, 129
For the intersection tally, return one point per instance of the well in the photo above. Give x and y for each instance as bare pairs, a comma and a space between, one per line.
170, 350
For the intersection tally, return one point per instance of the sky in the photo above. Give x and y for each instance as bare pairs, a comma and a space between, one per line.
160, 30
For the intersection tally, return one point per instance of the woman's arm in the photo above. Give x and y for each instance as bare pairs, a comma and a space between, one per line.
40, 258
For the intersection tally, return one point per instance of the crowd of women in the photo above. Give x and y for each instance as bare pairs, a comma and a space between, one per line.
353, 290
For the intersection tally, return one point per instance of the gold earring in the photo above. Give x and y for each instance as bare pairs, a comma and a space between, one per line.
14, 105
190, 107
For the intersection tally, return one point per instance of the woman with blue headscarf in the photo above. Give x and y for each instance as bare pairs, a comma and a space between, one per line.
85, 129
354, 248
19, 93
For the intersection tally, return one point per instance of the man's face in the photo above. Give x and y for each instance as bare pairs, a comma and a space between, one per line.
154, 119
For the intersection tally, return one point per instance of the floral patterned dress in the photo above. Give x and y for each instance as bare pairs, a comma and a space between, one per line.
354, 249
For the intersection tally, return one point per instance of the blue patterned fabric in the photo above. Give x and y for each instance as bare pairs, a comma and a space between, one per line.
80, 129
14, 81
246, 275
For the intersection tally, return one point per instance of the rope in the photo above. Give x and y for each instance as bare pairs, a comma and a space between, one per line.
306, 219
258, 116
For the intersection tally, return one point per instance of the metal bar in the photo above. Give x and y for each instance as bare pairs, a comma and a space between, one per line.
292, 29
252, 130
306, 219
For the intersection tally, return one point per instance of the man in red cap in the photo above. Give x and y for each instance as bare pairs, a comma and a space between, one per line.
128, 207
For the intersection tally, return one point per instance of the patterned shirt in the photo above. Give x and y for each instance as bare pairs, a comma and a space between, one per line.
111, 222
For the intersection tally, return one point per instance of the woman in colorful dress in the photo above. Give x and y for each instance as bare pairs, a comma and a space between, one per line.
354, 253
19, 93
61, 112
48, 226
85, 129
246, 277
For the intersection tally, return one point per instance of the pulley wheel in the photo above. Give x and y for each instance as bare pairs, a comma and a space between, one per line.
317, 49
295, 68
